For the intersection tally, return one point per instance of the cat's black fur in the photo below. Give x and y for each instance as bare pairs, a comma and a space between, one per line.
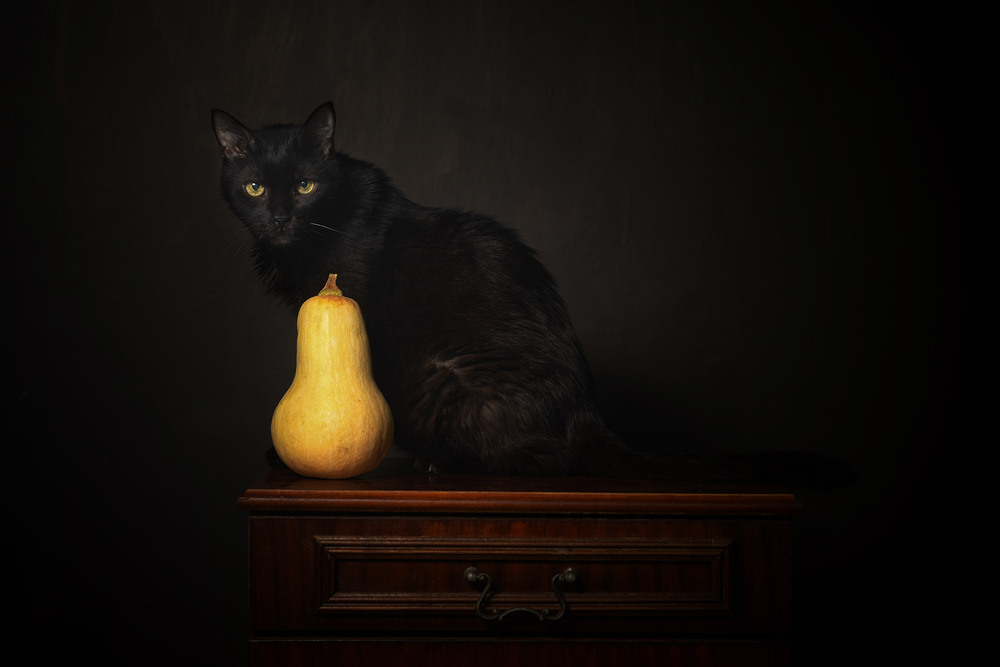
471, 343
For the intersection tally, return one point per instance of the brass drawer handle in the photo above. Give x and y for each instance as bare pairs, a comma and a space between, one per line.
474, 576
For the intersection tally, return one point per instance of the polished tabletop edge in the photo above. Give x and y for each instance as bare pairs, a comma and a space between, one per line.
390, 489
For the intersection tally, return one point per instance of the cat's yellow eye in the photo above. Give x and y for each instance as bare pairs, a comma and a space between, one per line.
305, 187
254, 189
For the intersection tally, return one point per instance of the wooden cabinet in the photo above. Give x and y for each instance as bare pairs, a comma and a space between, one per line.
398, 568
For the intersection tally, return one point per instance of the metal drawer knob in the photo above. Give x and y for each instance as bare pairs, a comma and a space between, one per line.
474, 576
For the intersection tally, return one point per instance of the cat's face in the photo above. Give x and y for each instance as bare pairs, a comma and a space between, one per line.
277, 179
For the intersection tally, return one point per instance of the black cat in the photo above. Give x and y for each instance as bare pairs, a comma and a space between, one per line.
471, 343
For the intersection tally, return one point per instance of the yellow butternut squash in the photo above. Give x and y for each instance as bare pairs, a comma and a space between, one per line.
333, 421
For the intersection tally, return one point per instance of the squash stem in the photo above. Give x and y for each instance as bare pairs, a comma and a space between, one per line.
331, 289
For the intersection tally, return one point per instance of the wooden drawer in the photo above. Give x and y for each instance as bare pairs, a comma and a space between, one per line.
378, 574
349, 564
591, 578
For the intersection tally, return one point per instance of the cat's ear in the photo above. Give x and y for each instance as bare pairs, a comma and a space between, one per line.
234, 139
319, 129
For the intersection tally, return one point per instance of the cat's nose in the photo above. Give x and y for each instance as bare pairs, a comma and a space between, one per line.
281, 220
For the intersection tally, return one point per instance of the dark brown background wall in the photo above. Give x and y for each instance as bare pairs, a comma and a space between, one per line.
750, 210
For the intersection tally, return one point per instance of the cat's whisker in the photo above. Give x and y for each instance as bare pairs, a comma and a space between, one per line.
239, 242
316, 224
243, 243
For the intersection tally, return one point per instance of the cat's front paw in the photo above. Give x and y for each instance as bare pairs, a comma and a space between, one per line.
425, 467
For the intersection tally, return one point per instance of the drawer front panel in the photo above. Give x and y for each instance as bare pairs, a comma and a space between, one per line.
415, 575
341, 576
